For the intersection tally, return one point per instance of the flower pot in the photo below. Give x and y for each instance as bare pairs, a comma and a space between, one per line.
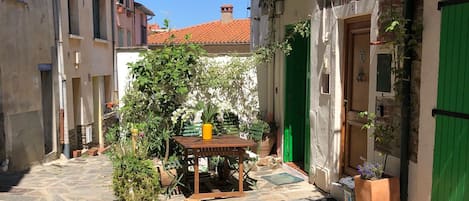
120, 9
76, 153
167, 176
207, 131
385, 189
265, 145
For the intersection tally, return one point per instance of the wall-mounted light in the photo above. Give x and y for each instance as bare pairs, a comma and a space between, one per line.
77, 59
279, 7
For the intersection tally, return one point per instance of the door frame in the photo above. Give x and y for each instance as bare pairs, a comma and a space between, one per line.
358, 24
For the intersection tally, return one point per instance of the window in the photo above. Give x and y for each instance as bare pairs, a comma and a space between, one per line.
120, 37
73, 19
120, 2
143, 30
144, 35
99, 19
129, 38
127, 3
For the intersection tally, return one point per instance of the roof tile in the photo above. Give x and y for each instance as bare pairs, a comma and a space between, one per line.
235, 32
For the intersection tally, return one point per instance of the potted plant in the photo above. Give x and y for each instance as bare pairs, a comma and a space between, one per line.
259, 131
371, 186
208, 114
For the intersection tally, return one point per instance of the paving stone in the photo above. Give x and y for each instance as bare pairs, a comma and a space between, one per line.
76, 179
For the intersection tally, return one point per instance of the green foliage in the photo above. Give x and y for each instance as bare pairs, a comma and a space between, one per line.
209, 112
383, 132
401, 41
267, 52
161, 82
229, 83
134, 175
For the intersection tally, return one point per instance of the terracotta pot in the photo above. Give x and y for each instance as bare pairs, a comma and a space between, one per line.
386, 189
167, 176
120, 9
207, 131
265, 145
76, 153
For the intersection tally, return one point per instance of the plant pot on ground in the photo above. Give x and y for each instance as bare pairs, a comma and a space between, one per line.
384, 189
371, 186
261, 132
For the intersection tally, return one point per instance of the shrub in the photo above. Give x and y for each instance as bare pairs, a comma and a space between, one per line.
134, 176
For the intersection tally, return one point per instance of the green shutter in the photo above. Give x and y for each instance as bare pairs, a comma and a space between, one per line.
451, 164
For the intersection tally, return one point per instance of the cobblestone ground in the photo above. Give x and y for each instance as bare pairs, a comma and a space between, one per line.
86, 178
90, 178
265, 191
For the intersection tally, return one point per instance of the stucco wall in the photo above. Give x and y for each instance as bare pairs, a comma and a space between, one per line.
139, 21
126, 22
96, 60
123, 58
420, 177
95, 55
27, 40
326, 56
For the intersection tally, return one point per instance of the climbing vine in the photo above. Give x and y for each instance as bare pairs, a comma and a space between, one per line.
267, 52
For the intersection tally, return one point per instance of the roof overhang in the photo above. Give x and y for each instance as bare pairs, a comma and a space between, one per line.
144, 9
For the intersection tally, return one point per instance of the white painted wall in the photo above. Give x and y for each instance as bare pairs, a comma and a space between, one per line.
420, 176
124, 57
326, 56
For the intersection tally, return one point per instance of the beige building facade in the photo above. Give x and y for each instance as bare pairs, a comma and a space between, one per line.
28, 109
56, 78
88, 37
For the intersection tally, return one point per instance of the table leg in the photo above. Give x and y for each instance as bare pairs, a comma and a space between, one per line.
241, 170
196, 173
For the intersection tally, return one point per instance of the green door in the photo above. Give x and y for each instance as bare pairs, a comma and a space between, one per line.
450, 162
296, 123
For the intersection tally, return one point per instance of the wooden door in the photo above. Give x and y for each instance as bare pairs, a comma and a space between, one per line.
356, 81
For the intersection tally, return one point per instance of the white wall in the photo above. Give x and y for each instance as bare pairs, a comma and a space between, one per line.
420, 176
124, 57
326, 56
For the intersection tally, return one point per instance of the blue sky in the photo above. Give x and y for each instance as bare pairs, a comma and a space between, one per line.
184, 13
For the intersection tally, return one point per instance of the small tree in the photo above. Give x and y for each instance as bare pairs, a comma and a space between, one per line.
162, 80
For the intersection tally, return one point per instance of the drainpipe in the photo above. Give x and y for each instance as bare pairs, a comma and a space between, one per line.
405, 100
61, 79
114, 66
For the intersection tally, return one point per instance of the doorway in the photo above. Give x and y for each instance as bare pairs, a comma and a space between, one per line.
296, 147
46, 91
77, 112
356, 91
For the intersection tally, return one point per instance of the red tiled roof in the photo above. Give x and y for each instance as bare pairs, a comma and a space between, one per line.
234, 32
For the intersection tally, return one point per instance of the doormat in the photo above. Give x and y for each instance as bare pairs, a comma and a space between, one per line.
281, 178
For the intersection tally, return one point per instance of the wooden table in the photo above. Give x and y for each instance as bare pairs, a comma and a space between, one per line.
218, 145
